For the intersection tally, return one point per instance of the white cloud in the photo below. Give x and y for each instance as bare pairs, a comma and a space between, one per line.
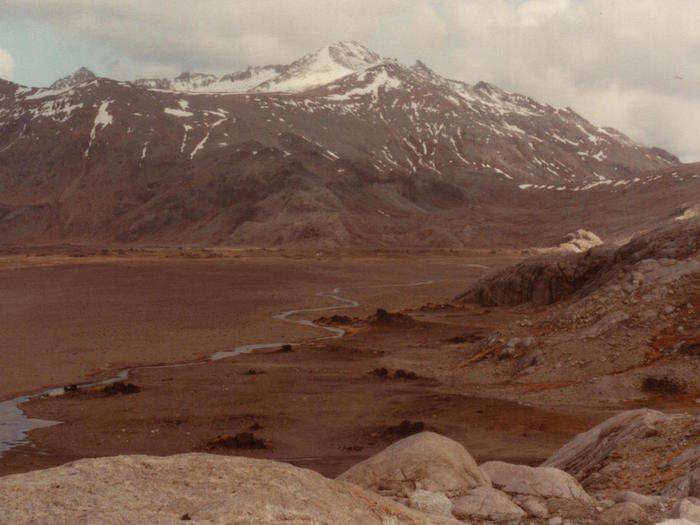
627, 63
7, 64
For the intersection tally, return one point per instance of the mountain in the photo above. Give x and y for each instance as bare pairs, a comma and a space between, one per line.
341, 147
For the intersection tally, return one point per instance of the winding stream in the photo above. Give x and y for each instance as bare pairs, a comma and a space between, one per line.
15, 424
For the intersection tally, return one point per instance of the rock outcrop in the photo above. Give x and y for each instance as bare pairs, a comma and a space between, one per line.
644, 450
550, 278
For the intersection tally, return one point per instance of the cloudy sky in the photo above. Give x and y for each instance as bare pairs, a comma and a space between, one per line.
631, 64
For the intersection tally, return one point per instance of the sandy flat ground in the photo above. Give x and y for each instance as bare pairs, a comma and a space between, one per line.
67, 319
322, 406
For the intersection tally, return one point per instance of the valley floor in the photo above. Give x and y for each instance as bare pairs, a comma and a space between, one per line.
68, 317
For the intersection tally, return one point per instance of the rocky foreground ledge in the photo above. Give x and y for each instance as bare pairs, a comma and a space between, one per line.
425, 478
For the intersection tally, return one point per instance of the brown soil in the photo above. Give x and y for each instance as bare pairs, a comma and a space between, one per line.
70, 314
323, 405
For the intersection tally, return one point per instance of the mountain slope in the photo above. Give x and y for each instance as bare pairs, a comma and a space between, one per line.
381, 154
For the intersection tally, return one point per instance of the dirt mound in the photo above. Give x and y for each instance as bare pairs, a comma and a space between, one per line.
548, 279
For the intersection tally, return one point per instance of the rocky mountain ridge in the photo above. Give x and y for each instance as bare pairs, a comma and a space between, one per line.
340, 147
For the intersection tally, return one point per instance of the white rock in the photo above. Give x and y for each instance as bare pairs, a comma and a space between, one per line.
434, 503
425, 461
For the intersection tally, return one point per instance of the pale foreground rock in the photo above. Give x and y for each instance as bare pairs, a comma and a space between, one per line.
425, 461
546, 482
204, 487
486, 503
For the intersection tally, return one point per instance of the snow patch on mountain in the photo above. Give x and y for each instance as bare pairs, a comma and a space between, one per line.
199, 146
178, 112
377, 80
102, 120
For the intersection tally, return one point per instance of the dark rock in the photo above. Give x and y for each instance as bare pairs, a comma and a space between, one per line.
120, 388
383, 317
465, 338
402, 374
663, 385
405, 428
242, 440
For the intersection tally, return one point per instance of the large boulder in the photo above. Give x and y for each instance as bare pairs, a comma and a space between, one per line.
424, 461
546, 482
200, 487
643, 450
587, 450
486, 503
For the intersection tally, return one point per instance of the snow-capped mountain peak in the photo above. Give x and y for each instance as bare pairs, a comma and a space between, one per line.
323, 66
314, 69
81, 75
